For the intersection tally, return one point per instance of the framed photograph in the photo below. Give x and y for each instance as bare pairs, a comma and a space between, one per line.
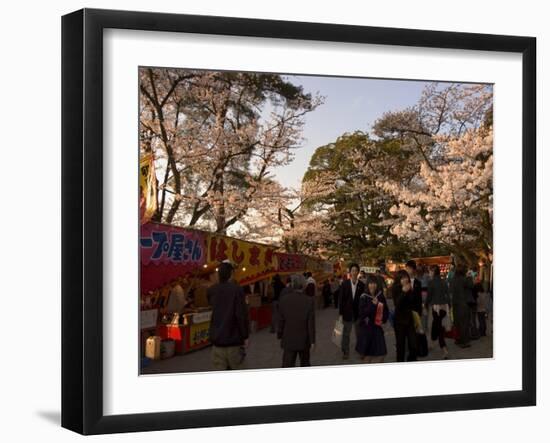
269, 221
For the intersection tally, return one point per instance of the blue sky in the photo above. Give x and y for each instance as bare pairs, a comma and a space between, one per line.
351, 104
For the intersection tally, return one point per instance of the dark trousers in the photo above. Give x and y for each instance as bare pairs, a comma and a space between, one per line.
335, 296
346, 335
462, 322
327, 299
474, 330
481, 318
438, 331
289, 358
274, 316
405, 334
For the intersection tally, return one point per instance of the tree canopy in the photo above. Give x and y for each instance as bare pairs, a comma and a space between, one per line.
419, 183
220, 135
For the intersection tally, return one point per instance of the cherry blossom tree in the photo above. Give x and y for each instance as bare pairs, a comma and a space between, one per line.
448, 197
422, 181
218, 136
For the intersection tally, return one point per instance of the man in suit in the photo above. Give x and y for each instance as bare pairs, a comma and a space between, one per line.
296, 323
350, 292
229, 323
410, 267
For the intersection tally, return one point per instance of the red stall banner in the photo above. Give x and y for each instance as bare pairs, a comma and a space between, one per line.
291, 262
169, 252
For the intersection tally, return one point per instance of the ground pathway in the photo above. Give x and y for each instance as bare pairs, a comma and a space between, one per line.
264, 350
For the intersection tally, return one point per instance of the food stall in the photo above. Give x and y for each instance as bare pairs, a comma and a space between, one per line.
179, 264
172, 268
443, 261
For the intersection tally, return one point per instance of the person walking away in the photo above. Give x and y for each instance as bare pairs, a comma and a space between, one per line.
296, 323
350, 292
381, 281
278, 287
405, 332
327, 294
424, 281
439, 302
424, 277
229, 322
451, 273
334, 289
476, 289
410, 267
311, 285
373, 313
460, 289
338, 294
482, 313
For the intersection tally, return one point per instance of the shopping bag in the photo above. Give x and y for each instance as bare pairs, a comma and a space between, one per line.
337, 332
417, 323
446, 323
452, 333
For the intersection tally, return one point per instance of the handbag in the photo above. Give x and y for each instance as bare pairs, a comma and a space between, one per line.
452, 333
446, 323
417, 323
422, 345
337, 332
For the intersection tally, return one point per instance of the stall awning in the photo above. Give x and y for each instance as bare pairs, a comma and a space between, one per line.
170, 252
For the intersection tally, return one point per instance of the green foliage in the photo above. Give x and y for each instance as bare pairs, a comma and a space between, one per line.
354, 206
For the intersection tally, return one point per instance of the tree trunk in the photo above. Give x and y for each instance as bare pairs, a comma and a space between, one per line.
220, 209
160, 208
173, 209
155, 101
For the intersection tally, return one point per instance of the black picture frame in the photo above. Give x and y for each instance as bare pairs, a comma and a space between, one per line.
82, 216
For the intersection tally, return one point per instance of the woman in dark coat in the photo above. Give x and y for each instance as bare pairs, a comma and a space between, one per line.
373, 312
460, 289
438, 300
405, 332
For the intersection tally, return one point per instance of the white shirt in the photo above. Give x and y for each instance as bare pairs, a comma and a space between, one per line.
353, 288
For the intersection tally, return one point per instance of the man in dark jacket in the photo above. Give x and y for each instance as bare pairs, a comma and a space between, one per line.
278, 287
229, 323
460, 288
296, 323
350, 292
410, 267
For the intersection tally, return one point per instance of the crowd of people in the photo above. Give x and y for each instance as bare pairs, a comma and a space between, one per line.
458, 305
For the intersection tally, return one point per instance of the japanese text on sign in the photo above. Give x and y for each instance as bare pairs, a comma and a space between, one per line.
240, 253
172, 246
290, 262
